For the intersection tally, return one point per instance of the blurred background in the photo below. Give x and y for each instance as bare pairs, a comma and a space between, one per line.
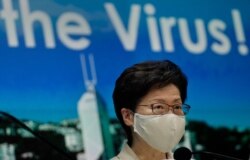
59, 60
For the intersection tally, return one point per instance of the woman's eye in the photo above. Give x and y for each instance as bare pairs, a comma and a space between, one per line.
158, 106
177, 107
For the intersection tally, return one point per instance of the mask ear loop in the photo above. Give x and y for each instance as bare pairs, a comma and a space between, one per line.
132, 117
132, 114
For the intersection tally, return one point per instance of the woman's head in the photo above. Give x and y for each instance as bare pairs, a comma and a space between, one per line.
138, 80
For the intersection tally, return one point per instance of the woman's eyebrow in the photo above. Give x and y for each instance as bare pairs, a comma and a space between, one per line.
177, 100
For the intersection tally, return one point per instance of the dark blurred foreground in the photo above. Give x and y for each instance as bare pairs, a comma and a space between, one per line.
17, 143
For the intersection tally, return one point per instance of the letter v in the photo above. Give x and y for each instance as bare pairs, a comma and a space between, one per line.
127, 37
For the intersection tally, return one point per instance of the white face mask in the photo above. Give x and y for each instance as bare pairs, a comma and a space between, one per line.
162, 132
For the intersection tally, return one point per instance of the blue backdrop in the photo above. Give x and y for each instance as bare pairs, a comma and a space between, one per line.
41, 43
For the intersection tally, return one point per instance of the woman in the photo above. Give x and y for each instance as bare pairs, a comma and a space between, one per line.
149, 103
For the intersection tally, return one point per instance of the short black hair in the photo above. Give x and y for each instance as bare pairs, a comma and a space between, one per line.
136, 81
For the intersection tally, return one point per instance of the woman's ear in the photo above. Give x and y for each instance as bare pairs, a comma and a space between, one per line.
128, 117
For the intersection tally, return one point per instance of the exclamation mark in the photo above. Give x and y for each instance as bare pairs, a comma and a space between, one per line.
239, 32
